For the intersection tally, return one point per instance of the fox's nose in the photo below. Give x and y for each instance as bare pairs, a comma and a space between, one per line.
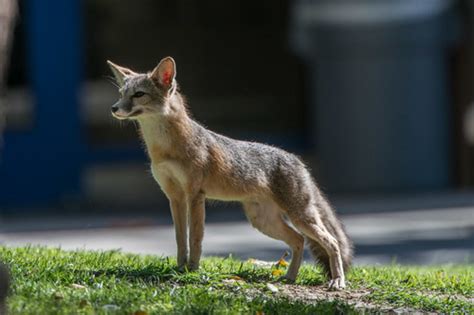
115, 108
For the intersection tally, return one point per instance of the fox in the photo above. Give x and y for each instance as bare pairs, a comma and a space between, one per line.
192, 164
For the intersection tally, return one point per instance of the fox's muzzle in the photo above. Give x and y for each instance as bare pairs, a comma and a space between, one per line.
124, 109
123, 105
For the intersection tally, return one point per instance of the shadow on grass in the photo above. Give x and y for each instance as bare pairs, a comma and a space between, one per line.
157, 274
152, 274
171, 273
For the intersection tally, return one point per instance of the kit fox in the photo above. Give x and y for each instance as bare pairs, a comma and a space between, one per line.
192, 163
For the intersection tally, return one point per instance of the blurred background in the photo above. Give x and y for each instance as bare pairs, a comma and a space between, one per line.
375, 95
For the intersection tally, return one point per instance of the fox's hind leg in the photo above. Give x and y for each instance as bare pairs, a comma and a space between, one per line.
310, 224
266, 217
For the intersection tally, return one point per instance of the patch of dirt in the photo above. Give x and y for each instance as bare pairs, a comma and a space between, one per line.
313, 293
354, 298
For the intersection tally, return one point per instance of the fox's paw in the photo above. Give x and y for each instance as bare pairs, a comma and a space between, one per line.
193, 266
182, 267
337, 284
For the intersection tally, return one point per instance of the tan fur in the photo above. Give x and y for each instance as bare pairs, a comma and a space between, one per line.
190, 163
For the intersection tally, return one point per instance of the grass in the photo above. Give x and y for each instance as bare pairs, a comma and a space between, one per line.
54, 281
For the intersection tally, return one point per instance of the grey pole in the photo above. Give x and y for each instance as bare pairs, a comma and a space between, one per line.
8, 9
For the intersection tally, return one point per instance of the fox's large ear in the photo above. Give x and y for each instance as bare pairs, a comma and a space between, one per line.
120, 73
164, 73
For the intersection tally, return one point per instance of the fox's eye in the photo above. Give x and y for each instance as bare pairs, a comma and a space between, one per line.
138, 94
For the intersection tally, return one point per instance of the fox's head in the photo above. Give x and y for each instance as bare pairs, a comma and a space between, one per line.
144, 93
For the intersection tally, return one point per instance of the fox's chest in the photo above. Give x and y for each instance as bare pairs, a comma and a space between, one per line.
169, 169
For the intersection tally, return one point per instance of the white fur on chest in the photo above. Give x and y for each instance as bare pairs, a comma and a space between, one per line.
169, 170
154, 133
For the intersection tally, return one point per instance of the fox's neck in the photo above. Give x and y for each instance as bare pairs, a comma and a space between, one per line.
165, 134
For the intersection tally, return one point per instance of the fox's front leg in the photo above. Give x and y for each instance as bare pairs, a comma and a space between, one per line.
196, 212
179, 214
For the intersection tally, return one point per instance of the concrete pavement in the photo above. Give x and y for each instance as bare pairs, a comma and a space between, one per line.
423, 236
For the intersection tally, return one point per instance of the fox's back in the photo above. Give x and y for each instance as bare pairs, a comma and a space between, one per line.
240, 169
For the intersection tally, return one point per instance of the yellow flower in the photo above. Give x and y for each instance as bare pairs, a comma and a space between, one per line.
236, 278
282, 263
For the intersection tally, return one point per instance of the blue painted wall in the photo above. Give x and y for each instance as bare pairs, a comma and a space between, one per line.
42, 164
